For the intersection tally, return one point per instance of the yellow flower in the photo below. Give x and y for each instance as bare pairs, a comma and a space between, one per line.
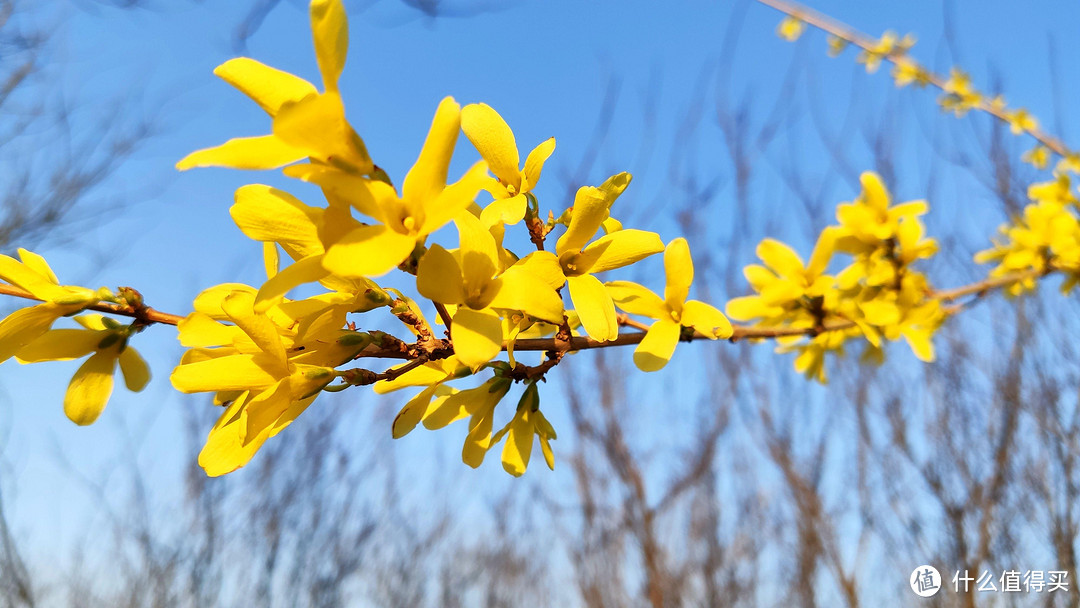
493, 138
306, 123
789, 291
869, 221
906, 72
106, 341
268, 376
1047, 236
960, 95
1020, 121
34, 275
1038, 157
1069, 163
837, 45
471, 281
672, 312
790, 28
888, 45
426, 203
527, 423
580, 259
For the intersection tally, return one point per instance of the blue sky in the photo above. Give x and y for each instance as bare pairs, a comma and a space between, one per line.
544, 65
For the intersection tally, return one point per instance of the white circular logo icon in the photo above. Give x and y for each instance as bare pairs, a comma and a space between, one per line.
925, 580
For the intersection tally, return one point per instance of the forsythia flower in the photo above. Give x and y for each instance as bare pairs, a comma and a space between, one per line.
1048, 236
493, 138
527, 423
106, 341
960, 95
906, 72
580, 259
1020, 121
1038, 157
672, 313
34, 275
790, 28
306, 123
471, 281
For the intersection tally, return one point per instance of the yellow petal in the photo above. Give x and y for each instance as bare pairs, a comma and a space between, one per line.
504, 211
271, 259
706, 319
413, 412
438, 277
317, 126
748, 308
464, 403
479, 256
545, 265
453, 200
239, 306
637, 300
679, 269
427, 177
330, 29
61, 345
306, 270
758, 276
521, 290
225, 451
534, 163
658, 345
231, 372
269, 87
368, 251
23, 275
136, 371
478, 440
38, 264
265, 214
494, 141
477, 336
90, 388
198, 329
920, 343
594, 307
365, 195
519, 441
25, 325
591, 208
263, 152
619, 249
874, 193
265, 408
823, 250
429, 373
780, 258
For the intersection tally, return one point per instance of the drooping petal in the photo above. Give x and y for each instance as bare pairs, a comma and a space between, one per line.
521, 290
413, 412
61, 345
478, 440
658, 345
534, 163
637, 299
90, 388
330, 30
493, 138
920, 342
438, 277
463, 403
265, 408
519, 441
429, 373
263, 152
619, 249
427, 177
266, 214
706, 319
231, 372
368, 251
306, 270
25, 325
679, 269
594, 307
225, 450
136, 371
477, 336
780, 258
269, 87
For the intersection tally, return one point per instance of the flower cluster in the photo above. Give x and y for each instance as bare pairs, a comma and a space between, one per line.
878, 296
1046, 238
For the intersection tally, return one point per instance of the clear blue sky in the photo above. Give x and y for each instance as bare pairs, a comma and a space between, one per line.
544, 65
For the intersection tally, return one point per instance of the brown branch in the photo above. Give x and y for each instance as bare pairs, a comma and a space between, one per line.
868, 43
144, 313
